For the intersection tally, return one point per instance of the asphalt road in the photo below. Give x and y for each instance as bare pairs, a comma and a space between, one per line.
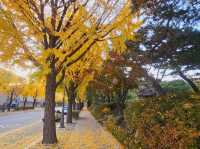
14, 120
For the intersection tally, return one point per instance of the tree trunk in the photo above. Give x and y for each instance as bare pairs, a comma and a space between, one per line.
71, 93
49, 127
69, 112
11, 100
122, 96
25, 101
74, 105
34, 103
119, 110
82, 105
34, 99
190, 82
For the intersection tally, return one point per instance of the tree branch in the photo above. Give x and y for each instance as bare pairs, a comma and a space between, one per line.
61, 78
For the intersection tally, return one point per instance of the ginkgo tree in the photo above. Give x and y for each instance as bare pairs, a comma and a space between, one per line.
10, 85
78, 77
55, 34
32, 88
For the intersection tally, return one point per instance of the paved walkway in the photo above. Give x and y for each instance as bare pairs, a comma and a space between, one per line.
88, 134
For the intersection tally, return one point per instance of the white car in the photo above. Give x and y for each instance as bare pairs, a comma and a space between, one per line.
59, 109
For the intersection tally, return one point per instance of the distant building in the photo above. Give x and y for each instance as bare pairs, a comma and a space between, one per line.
146, 92
196, 80
146, 89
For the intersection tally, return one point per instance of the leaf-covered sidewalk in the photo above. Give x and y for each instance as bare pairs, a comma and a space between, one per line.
86, 134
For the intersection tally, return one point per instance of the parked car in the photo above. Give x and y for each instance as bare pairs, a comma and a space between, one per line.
12, 105
59, 109
58, 112
58, 116
146, 92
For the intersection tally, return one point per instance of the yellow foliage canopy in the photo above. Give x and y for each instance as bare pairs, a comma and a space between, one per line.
64, 31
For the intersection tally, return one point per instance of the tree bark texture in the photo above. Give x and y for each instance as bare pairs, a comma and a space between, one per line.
11, 99
49, 127
25, 101
190, 82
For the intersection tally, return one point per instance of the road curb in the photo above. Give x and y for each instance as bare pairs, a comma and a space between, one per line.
21, 111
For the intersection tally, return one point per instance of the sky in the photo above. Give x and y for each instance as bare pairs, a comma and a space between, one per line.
17, 70
25, 73
168, 77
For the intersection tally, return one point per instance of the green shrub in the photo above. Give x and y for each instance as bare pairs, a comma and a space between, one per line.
177, 86
164, 122
117, 131
171, 121
100, 111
